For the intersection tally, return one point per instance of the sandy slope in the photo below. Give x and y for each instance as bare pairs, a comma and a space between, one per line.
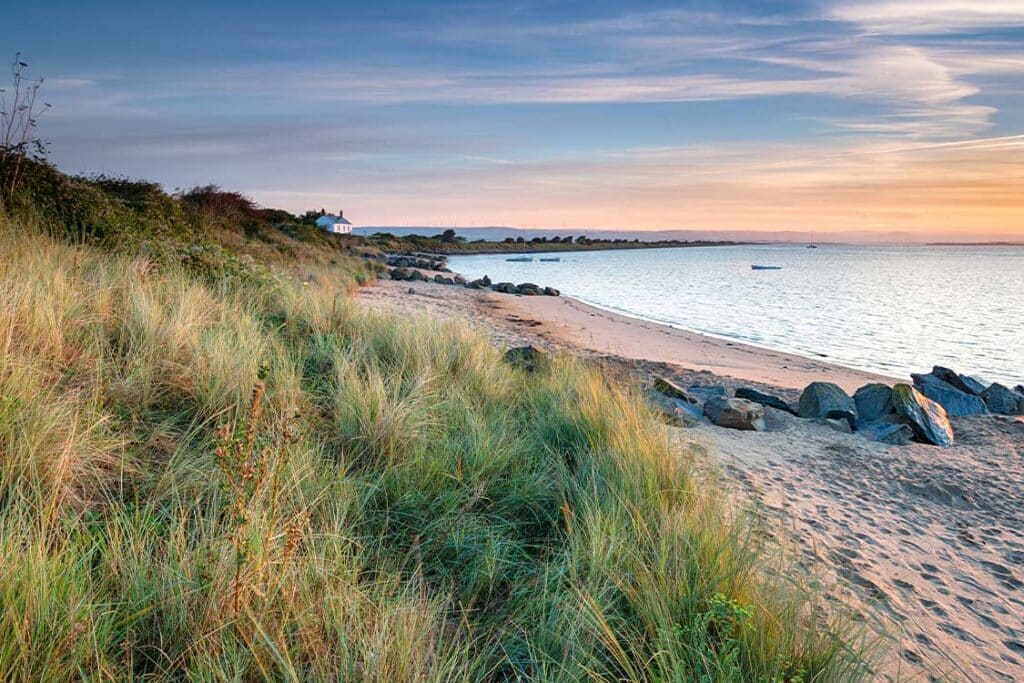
926, 543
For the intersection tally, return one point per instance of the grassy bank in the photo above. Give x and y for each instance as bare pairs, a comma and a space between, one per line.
219, 468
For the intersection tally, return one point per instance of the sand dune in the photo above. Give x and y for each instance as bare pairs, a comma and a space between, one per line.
925, 544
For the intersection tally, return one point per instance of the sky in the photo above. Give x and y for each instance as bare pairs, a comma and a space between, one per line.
840, 115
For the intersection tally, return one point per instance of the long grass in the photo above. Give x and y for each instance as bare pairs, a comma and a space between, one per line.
212, 480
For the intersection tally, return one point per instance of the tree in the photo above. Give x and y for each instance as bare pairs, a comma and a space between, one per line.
448, 235
19, 116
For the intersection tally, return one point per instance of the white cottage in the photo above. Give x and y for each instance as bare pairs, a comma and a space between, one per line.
336, 224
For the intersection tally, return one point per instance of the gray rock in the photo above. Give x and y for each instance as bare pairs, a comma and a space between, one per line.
669, 388
956, 403
1001, 400
704, 393
442, 280
504, 288
893, 433
529, 289
400, 273
383, 275
735, 413
873, 401
675, 412
965, 383
551, 291
459, 280
417, 276
526, 358
476, 284
825, 399
925, 417
411, 291
486, 280
764, 399
1019, 389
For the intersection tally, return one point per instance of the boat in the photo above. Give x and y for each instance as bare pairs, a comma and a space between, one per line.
520, 259
766, 267
812, 246
554, 259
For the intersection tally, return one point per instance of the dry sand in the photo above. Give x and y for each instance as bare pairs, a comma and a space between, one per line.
925, 544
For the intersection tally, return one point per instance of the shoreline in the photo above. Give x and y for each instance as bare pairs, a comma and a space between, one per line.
571, 321
922, 545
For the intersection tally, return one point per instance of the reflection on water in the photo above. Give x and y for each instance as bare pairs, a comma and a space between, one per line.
887, 309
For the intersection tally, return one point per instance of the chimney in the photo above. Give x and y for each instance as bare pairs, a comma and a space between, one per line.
341, 214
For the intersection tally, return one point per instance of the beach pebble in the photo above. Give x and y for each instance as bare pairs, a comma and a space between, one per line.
735, 413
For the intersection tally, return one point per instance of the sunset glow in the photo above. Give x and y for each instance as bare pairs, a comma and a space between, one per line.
845, 115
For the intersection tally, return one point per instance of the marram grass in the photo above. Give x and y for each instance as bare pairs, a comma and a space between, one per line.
214, 480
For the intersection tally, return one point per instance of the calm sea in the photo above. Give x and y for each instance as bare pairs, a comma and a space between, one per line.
892, 310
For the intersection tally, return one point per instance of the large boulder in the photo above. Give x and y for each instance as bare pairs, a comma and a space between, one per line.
956, 403
551, 291
504, 288
825, 399
893, 433
965, 383
400, 273
529, 289
1000, 399
735, 413
764, 399
873, 401
443, 280
669, 388
925, 417
383, 275
526, 358
674, 411
704, 392
459, 280
1019, 389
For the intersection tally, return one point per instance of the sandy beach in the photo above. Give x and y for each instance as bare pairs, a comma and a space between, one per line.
925, 545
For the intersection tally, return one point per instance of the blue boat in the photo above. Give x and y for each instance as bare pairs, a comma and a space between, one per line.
766, 267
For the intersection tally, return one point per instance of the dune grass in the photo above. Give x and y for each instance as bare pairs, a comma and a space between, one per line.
212, 479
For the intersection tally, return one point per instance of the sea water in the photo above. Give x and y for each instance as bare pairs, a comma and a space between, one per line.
891, 310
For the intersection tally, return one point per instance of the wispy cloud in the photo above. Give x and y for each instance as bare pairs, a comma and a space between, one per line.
909, 17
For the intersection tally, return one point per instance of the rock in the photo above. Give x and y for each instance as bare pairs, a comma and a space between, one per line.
411, 290
400, 273
551, 291
416, 275
825, 399
893, 433
1001, 400
476, 284
525, 358
735, 413
764, 399
704, 392
925, 417
383, 275
504, 288
840, 425
873, 401
1019, 389
459, 280
442, 280
529, 289
486, 280
675, 412
956, 403
965, 383
674, 391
